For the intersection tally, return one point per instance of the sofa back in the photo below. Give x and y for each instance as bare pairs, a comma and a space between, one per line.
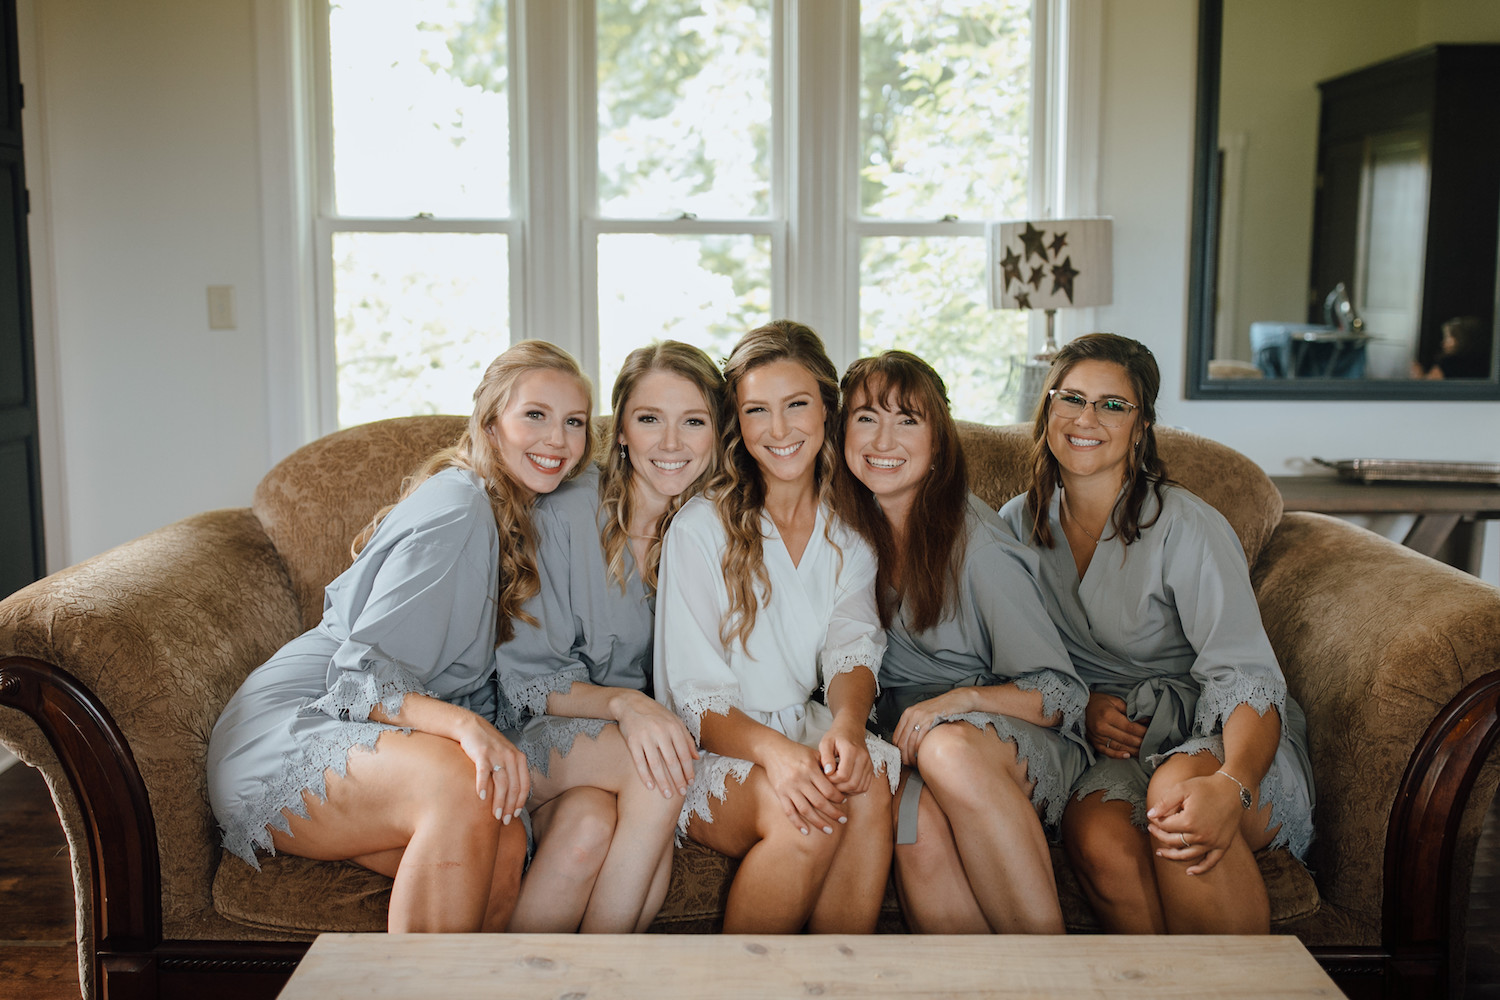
317, 499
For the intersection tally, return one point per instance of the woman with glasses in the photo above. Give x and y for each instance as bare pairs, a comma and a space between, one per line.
976, 688
1201, 755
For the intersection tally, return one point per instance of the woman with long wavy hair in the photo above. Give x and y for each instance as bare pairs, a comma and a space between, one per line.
976, 687
584, 668
1202, 754
766, 597
371, 737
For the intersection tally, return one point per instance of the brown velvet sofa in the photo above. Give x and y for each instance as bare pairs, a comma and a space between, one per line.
113, 671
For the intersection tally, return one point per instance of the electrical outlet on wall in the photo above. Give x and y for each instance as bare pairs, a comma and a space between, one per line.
221, 307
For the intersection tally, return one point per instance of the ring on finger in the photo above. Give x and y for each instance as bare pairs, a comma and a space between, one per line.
498, 767
1109, 744
1183, 837
917, 728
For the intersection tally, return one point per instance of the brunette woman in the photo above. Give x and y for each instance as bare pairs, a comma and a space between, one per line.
1202, 754
976, 687
584, 668
765, 598
370, 737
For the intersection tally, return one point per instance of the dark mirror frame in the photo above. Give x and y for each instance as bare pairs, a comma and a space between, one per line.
1204, 268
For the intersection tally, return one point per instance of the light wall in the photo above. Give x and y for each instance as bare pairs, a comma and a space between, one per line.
143, 160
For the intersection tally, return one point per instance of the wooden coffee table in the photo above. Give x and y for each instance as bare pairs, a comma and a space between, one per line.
693, 966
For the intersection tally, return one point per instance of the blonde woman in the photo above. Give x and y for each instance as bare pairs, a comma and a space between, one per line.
584, 668
370, 737
766, 598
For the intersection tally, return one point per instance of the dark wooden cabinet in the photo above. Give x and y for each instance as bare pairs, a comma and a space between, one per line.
1434, 116
21, 554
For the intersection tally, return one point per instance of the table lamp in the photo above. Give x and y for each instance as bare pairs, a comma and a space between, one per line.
1048, 264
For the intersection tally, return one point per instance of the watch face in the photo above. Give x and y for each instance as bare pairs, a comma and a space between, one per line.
1245, 798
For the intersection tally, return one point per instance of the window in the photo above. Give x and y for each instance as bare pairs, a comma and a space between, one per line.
602, 173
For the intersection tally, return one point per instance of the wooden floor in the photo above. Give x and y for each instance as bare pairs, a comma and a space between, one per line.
38, 959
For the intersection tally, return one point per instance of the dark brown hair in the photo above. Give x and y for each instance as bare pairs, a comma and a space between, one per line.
931, 556
1144, 471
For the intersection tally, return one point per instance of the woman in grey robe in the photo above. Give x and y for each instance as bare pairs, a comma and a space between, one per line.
968, 641
583, 668
1202, 754
370, 737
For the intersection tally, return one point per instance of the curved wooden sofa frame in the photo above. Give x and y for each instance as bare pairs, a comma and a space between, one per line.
132, 960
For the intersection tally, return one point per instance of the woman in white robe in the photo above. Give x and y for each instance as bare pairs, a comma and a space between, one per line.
584, 668
1202, 754
766, 597
977, 690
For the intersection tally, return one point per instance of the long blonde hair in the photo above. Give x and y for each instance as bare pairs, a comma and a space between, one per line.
615, 496
738, 492
509, 499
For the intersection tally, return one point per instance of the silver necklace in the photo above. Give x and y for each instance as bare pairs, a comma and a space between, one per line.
1068, 511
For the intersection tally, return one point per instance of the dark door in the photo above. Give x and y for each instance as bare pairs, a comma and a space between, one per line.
21, 556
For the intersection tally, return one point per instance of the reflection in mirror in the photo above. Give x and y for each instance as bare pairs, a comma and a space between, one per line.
1347, 200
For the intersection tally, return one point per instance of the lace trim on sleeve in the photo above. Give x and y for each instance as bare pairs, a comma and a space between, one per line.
356, 693
528, 693
1059, 694
862, 652
692, 708
1218, 701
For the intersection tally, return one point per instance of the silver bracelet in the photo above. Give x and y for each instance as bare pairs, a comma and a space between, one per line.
1246, 799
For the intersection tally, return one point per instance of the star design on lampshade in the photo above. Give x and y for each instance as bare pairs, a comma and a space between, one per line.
1037, 274
1034, 242
1062, 277
1023, 300
1010, 266
1058, 242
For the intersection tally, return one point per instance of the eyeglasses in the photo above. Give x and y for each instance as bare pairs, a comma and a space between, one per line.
1111, 412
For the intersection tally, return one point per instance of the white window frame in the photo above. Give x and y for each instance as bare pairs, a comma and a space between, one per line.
814, 226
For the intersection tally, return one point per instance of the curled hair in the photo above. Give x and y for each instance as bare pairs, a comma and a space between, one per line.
615, 496
1145, 472
738, 492
929, 559
510, 500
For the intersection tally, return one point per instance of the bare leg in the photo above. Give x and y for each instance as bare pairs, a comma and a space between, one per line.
659, 885
782, 870
849, 902
930, 878
414, 795
622, 895
573, 834
1113, 861
978, 782
1229, 898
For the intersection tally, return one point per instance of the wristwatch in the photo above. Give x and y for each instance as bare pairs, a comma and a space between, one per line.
1246, 799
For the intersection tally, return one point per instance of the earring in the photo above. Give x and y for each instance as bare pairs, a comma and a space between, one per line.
623, 457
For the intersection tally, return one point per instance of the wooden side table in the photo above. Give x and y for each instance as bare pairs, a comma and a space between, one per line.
1449, 518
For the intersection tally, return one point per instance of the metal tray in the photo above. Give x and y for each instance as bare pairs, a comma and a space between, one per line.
1390, 470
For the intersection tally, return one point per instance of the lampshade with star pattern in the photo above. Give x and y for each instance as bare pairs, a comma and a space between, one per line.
1051, 264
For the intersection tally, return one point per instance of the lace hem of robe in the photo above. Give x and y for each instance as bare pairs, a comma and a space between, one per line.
1048, 793
355, 694
692, 709
862, 652
1058, 695
1115, 789
555, 732
1218, 702
529, 695
302, 770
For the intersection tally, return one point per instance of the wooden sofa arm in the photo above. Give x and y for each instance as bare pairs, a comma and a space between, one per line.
118, 668
1392, 656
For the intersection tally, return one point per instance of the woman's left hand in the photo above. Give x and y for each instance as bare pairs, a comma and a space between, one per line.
845, 758
917, 721
1196, 821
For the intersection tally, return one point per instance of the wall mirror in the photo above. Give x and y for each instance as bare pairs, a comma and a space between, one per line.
1346, 201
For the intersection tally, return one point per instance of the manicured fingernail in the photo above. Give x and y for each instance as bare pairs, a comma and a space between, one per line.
827, 768
843, 819
804, 831
497, 813
505, 820
482, 793
651, 786
827, 829
682, 790
518, 813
